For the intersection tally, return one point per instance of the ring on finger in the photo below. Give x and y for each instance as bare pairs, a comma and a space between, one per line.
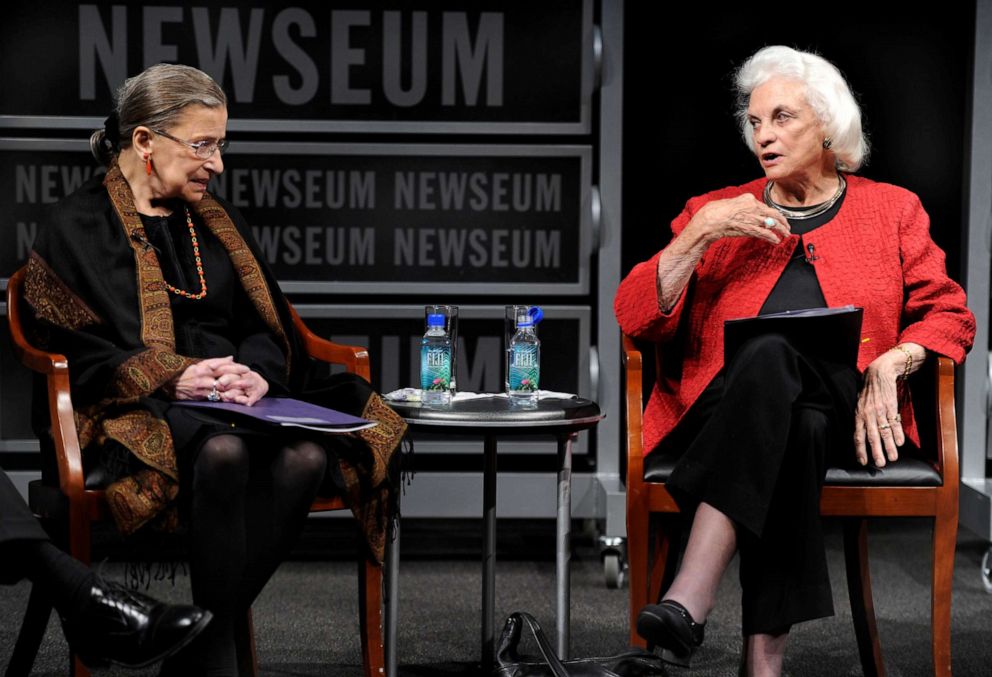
768, 222
896, 419
884, 426
213, 395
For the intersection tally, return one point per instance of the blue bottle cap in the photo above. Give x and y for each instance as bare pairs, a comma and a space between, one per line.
435, 320
536, 314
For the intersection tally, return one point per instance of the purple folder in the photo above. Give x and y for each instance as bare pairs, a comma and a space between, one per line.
285, 411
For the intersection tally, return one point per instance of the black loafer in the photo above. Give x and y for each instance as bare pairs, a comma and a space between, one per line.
127, 628
669, 626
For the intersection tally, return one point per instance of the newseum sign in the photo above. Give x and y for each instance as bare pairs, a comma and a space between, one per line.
366, 218
403, 66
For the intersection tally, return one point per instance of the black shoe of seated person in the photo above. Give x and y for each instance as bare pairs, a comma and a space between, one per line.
670, 626
127, 628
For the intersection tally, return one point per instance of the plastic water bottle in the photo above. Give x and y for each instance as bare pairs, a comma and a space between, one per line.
435, 363
525, 363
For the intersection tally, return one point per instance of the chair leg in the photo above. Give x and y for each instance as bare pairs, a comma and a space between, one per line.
652, 557
370, 616
79, 539
73, 536
859, 590
390, 605
31, 635
667, 545
637, 558
244, 642
658, 548
944, 540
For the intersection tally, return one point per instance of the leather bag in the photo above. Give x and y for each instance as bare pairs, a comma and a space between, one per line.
632, 663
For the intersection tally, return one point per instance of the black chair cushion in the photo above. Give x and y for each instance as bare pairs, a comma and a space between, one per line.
658, 467
906, 472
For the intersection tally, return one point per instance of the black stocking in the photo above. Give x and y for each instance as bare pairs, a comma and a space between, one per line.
279, 500
248, 508
218, 547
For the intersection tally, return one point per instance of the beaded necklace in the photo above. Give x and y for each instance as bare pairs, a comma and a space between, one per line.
199, 264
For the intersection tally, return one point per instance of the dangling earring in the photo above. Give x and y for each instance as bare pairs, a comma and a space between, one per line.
827, 143
148, 164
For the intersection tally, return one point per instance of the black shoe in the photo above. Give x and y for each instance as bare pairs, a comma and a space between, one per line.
671, 627
125, 627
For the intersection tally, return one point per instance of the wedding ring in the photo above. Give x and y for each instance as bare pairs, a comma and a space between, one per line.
213, 395
769, 222
884, 426
897, 418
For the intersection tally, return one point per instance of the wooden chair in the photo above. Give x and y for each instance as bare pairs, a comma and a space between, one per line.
911, 487
72, 506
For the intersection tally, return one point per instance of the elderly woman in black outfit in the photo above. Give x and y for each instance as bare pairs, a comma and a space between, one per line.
154, 290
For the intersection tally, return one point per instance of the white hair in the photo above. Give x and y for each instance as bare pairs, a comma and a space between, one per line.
827, 93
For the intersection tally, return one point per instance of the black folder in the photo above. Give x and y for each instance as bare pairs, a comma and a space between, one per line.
831, 334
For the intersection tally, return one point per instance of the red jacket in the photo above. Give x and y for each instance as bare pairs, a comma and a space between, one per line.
876, 254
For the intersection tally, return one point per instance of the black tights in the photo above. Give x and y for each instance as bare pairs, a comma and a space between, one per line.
248, 507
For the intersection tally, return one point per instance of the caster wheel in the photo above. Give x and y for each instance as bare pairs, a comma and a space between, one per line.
987, 570
613, 570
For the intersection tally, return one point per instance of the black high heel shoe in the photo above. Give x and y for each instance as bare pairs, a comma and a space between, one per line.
670, 626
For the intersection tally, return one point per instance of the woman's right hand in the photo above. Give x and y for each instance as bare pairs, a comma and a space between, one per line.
198, 380
741, 216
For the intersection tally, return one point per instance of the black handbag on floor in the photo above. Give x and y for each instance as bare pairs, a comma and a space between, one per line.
632, 663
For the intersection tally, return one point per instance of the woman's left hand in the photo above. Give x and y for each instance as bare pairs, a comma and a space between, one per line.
877, 423
245, 389
876, 419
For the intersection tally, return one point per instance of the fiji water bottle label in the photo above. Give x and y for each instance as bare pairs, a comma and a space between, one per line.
525, 368
435, 368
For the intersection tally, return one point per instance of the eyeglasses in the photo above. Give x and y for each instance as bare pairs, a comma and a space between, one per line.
203, 149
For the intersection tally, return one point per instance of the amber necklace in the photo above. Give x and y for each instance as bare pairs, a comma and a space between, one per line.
199, 264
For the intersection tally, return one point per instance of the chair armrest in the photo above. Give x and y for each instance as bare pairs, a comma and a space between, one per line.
55, 368
354, 358
31, 357
633, 366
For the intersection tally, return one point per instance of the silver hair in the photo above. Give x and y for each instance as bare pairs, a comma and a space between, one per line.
827, 93
156, 98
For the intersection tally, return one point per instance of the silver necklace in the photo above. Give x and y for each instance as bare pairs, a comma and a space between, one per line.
821, 208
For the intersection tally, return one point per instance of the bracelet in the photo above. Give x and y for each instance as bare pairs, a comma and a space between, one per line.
909, 362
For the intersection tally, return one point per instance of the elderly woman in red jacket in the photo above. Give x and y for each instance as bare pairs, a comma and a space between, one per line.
755, 435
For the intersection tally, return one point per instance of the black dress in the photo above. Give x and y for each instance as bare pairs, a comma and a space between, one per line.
756, 445
222, 323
